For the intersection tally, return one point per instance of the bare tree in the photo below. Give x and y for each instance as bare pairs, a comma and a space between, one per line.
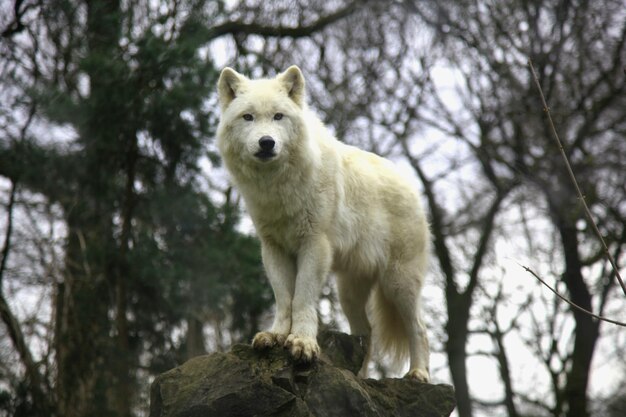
440, 86
127, 82
580, 51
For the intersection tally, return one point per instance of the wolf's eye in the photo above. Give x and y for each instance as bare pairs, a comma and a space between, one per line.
278, 116
248, 117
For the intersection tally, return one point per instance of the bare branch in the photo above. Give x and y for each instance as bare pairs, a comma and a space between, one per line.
571, 303
9, 232
13, 327
16, 25
239, 27
573, 178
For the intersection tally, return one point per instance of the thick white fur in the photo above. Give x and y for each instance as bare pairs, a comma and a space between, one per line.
320, 205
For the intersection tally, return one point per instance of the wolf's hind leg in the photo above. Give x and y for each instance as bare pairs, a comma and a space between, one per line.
354, 293
402, 287
420, 353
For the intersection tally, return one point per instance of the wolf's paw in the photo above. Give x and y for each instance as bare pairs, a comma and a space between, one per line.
420, 375
302, 348
266, 340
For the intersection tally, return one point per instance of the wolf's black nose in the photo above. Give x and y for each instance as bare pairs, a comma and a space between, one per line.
267, 143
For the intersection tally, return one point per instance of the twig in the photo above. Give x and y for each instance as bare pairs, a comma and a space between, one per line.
573, 178
576, 306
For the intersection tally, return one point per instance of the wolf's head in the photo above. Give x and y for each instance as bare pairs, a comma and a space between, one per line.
261, 120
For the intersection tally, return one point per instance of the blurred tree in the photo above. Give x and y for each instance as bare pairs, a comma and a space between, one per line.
106, 113
579, 48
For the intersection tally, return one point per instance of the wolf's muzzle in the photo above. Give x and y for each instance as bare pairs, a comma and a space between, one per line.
266, 143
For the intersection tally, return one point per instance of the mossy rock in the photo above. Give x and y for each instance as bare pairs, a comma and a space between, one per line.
244, 382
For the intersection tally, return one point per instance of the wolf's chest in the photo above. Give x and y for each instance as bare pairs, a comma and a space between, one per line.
286, 230
284, 219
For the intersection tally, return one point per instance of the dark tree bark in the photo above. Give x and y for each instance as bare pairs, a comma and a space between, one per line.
459, 302
587, 329
87, 359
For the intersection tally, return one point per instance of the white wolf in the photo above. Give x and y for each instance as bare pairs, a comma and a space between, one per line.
320, 205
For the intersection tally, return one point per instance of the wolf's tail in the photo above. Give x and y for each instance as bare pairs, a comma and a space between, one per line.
389, 334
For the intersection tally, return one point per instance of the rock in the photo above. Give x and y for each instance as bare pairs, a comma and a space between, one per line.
245, 382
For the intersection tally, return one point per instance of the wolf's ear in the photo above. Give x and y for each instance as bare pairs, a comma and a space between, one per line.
293, 81
229, 86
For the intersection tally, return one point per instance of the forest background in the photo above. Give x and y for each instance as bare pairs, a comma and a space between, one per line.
124, 251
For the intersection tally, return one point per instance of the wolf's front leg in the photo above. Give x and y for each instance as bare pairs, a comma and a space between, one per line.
281, 272
314, 261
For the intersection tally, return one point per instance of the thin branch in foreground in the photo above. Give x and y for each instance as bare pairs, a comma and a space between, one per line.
571, 303
573, 178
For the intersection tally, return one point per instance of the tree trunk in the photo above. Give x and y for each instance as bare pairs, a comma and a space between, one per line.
456, 327
82, 342
505, 372
586, 331
88, 359
124, 389
195, 338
